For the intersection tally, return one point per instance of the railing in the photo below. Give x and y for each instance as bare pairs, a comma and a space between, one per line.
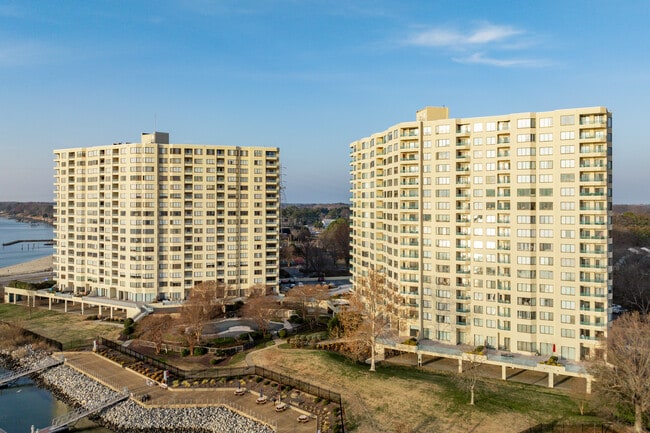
282, 379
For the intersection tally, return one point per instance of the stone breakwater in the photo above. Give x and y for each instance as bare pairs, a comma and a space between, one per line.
79, 390
129, 417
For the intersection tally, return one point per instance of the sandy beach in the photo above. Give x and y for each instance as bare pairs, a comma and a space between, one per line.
39, 265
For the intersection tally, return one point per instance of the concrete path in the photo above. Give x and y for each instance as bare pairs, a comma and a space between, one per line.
118, 378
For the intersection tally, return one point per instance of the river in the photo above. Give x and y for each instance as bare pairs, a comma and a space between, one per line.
11, 230
24, 404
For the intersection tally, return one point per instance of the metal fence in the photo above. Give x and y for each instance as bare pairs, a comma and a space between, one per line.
571, 428
219, 372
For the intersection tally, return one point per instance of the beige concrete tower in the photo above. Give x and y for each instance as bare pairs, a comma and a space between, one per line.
140, 221
494, 231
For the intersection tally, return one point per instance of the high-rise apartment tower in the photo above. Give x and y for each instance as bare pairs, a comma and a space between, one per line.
150, 220
494, 231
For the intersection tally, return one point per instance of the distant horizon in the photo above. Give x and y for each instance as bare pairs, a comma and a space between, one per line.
289, 204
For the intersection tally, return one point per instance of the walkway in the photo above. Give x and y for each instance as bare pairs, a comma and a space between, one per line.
43, 365
117, 378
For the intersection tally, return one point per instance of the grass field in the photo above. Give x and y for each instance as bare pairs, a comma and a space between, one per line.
393, 399
70, 329
408, 400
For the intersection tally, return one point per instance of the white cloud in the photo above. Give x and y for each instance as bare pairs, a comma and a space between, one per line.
479, 58
485, 34
489, 38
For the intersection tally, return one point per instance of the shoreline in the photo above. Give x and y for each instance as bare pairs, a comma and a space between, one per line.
79, 390
43, 264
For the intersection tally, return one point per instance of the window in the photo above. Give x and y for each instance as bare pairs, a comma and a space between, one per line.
567, 149
545, 137
568, 290
543, 329
525, 138
525, 123
568, 262
568, 276
567, 248
546, 192
442, 142
567, 220
546, 219
568, 333
567, 120
567, 163
567, 234
567, 135
545, 165
567, 192
526, 165
491, 126
568, 305
567, 318
545, 122
546, 151
442, 129
546, 178
567, 177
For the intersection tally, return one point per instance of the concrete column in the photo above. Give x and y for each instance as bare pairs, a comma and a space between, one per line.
550, 380
419, 360
82, 308
112, 312
65, 305
504, 376
460, 365
49, 303
588, 385
100, 310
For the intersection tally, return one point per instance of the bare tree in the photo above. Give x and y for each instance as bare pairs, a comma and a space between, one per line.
205, 302
631, 282
305, 300
155, 327
336, 239
373, 308
625, 373
469, 378
261, 310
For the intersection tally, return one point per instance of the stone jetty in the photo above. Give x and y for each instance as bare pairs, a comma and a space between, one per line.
129, 417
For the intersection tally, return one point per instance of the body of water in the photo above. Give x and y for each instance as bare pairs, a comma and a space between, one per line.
11, 230
24, 404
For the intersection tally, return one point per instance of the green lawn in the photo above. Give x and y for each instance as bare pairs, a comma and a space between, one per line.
69, 329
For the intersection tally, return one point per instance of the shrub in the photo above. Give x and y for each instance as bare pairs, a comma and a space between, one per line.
282, 333
214, 361
411, 342
198, 351
185, 351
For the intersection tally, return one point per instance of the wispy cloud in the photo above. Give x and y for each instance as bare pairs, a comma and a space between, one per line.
496, 42
484, 34
481, 59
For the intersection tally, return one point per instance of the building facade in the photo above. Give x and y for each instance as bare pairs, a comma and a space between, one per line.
494, 231
150, 220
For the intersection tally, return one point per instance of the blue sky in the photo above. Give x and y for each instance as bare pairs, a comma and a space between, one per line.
309, 76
